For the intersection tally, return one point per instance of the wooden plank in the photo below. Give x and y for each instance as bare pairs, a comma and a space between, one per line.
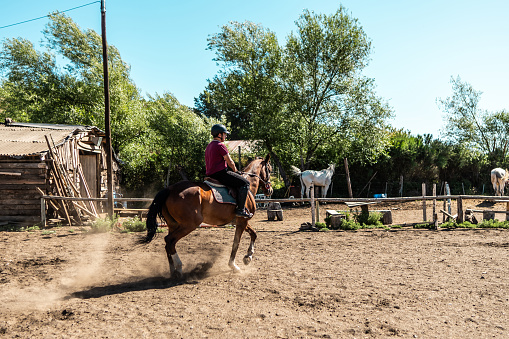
357, 204
5, 174
59, 189
22, 194
10, 173
491, 211
9, 202
20, 218
448, 214
17, 188
35, 211
23, 181
16, 165
8, 208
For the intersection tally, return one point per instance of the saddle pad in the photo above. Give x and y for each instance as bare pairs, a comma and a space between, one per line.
221, 193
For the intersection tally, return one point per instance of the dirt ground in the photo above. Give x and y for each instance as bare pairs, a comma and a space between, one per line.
412, 283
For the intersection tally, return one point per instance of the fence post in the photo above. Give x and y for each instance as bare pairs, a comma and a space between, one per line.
424, 201
350, 194
459, 218
312, 192
448, 191
435, 216
43, 212
317, 211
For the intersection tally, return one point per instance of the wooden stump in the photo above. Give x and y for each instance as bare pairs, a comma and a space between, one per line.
488, 215
274, 211
336, 219
387, 217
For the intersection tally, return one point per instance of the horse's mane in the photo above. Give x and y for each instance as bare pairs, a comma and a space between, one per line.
250, 166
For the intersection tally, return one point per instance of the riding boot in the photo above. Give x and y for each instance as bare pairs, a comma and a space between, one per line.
241, 210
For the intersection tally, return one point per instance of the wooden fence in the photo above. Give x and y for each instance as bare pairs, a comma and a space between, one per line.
314, 203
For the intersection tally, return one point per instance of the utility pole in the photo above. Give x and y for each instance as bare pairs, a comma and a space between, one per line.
109, 168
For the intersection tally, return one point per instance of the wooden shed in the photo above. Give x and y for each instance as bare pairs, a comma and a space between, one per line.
54, 160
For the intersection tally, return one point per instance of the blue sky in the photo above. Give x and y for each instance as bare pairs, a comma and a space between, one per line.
417, 45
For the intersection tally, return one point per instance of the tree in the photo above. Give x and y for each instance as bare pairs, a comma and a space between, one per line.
324, 60
173, 146
37, 88
248, 92
467, 124
304, 100
149, 135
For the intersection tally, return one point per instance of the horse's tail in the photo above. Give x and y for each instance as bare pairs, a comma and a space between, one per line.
295, 170
154, 210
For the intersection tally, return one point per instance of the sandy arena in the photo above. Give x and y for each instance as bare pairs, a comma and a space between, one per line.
410, 283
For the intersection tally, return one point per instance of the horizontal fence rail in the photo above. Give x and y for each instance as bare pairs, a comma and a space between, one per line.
313, 201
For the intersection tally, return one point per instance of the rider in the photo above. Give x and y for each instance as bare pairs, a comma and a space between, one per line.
217, 161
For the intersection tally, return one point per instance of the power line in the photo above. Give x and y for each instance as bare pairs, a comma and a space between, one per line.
42, 17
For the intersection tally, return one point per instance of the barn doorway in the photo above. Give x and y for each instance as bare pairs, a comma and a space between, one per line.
91, 172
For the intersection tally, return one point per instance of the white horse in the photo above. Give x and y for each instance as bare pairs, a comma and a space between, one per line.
499, 179
317, 178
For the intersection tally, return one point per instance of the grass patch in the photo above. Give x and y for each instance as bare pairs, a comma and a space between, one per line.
358, 221
101, 225
133, 225
484, 224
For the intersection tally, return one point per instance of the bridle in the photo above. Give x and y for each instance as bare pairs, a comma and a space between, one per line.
267, 183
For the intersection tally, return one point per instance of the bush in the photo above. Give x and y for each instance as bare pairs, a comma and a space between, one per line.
100, 225
320, 225
350, 225
134, 225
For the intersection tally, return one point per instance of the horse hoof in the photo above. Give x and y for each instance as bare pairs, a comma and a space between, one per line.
177, 275
247, 260
235, 268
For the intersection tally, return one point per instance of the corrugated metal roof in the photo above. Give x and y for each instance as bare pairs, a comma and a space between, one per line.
245, 145
20, 141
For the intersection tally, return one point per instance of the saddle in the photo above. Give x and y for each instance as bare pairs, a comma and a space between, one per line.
223, 194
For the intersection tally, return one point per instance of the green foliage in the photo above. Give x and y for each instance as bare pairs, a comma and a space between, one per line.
369, 220
266, 91
269, 93
358, 221
172, 145
103, 225
350, 225
134, 225
469, 125
320, 225
493, 223
423, 226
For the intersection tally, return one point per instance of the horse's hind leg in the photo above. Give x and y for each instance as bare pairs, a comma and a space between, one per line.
171, 239
239, 229
250, 251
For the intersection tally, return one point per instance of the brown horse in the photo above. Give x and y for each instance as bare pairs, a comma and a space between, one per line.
185, 205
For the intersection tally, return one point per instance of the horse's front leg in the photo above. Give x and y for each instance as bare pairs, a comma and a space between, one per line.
250, 251
239, 229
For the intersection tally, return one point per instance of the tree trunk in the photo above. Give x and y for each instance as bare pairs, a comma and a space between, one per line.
282, 171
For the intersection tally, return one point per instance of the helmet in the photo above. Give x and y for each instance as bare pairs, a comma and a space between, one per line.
218, 128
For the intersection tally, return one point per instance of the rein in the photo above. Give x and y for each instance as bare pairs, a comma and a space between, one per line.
266, 183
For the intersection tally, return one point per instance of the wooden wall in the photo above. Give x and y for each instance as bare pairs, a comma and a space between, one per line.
19, 199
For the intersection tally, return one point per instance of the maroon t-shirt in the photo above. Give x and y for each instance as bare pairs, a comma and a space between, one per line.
214, 153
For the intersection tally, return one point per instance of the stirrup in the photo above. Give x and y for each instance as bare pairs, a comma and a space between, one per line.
243, 213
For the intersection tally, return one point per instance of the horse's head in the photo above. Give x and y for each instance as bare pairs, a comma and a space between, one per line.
265, 171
